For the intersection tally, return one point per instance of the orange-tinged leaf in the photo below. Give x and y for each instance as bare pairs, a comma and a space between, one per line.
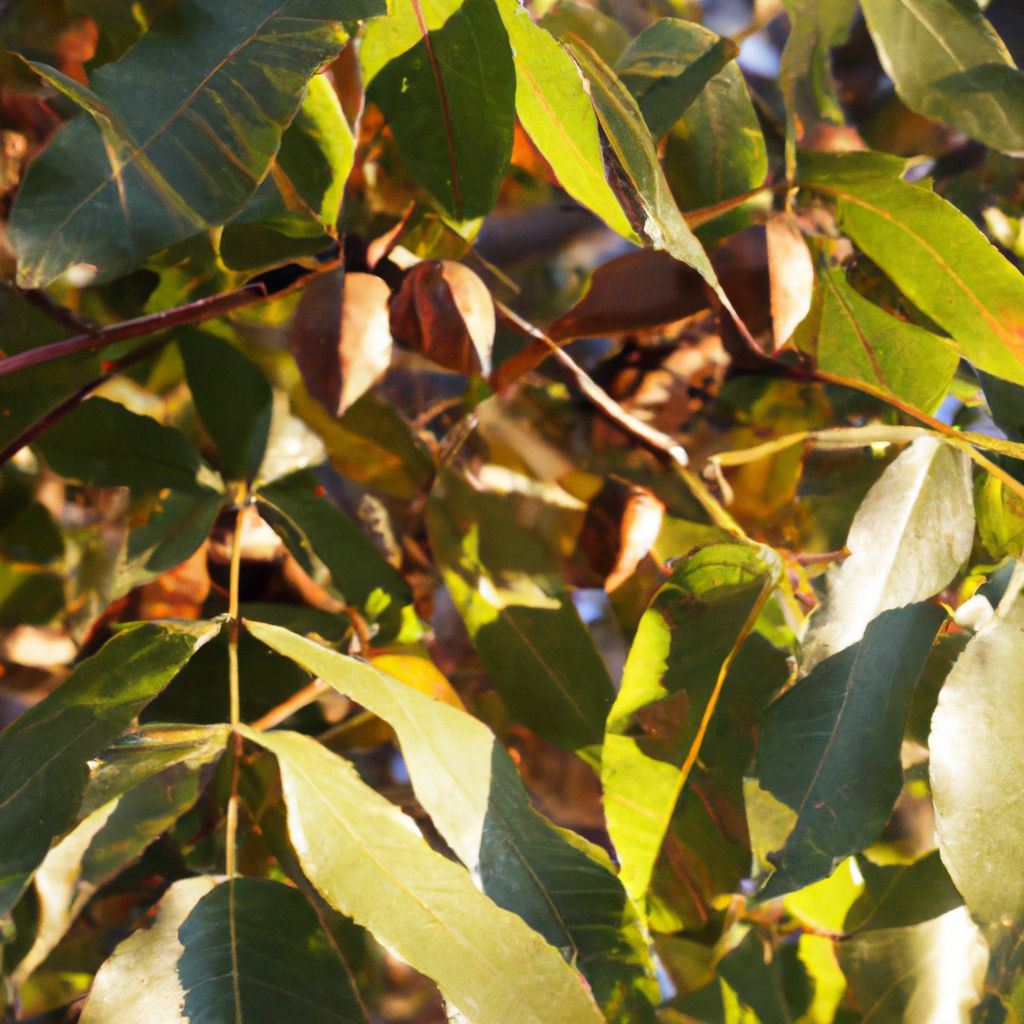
419, 672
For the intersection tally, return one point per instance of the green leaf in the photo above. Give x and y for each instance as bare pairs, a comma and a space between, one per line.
44, 754
919, 974
233, 400
899, 895
667, 67
830, 747
620, 117
111, 837
315, 529
601, 32
140, 980
805, 75
295, 210
369, 861
471, 789
176, 141
524, 627
28, 395
775, 987
253, 950
948, 63
104, 444
856, 338
29, 595
932, 252
557, 114
976, 763
677, 669
910, 536
442, 71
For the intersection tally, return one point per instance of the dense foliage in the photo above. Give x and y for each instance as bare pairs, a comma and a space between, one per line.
511, 513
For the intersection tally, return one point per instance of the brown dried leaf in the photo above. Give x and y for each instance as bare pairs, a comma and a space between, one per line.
621, 524
791, 274
445, 312
341, 338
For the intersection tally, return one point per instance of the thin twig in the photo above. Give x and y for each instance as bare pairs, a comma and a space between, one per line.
296, 702
231, 825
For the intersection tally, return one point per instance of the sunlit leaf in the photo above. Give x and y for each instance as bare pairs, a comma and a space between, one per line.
471, 790
369, 861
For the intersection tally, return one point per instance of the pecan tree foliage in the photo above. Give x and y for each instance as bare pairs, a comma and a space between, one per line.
506, 513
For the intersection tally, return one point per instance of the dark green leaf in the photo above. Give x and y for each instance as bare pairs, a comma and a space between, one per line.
678, 666
667, 67
180, 522
470, 787
44, 754
775, 985
253, 951
315, 529
898, 895
233, 400
29, 595
1006, 404
369, 861
933, 253
454, 87
139, 982
179, 133
830, 747
104, 444
948, 63
526, 631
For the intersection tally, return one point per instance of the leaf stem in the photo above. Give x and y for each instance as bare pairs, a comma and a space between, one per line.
231, 827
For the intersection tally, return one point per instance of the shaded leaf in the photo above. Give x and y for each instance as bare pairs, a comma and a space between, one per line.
368, 861
443, 72
44, 753
162, 158
444, 311
667, 66
294, 211
525, 629
341, 337
316, 530
900, 895
233, 400
830, 747
907, 541
253, 950
470, 787
933, 253
140, 980
678, 665
554, 108
104, 444
948, 63
858, 339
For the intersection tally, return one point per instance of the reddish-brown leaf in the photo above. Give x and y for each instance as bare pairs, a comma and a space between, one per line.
446, 313
341, 338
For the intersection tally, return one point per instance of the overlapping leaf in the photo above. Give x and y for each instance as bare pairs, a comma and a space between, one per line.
680, 663
948, 63
933, 253
829, 748
369, 861
177, 135
470, 788
44, 755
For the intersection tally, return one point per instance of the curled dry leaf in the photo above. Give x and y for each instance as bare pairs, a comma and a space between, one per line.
341, 338
445, 312
620, 526
791, 273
